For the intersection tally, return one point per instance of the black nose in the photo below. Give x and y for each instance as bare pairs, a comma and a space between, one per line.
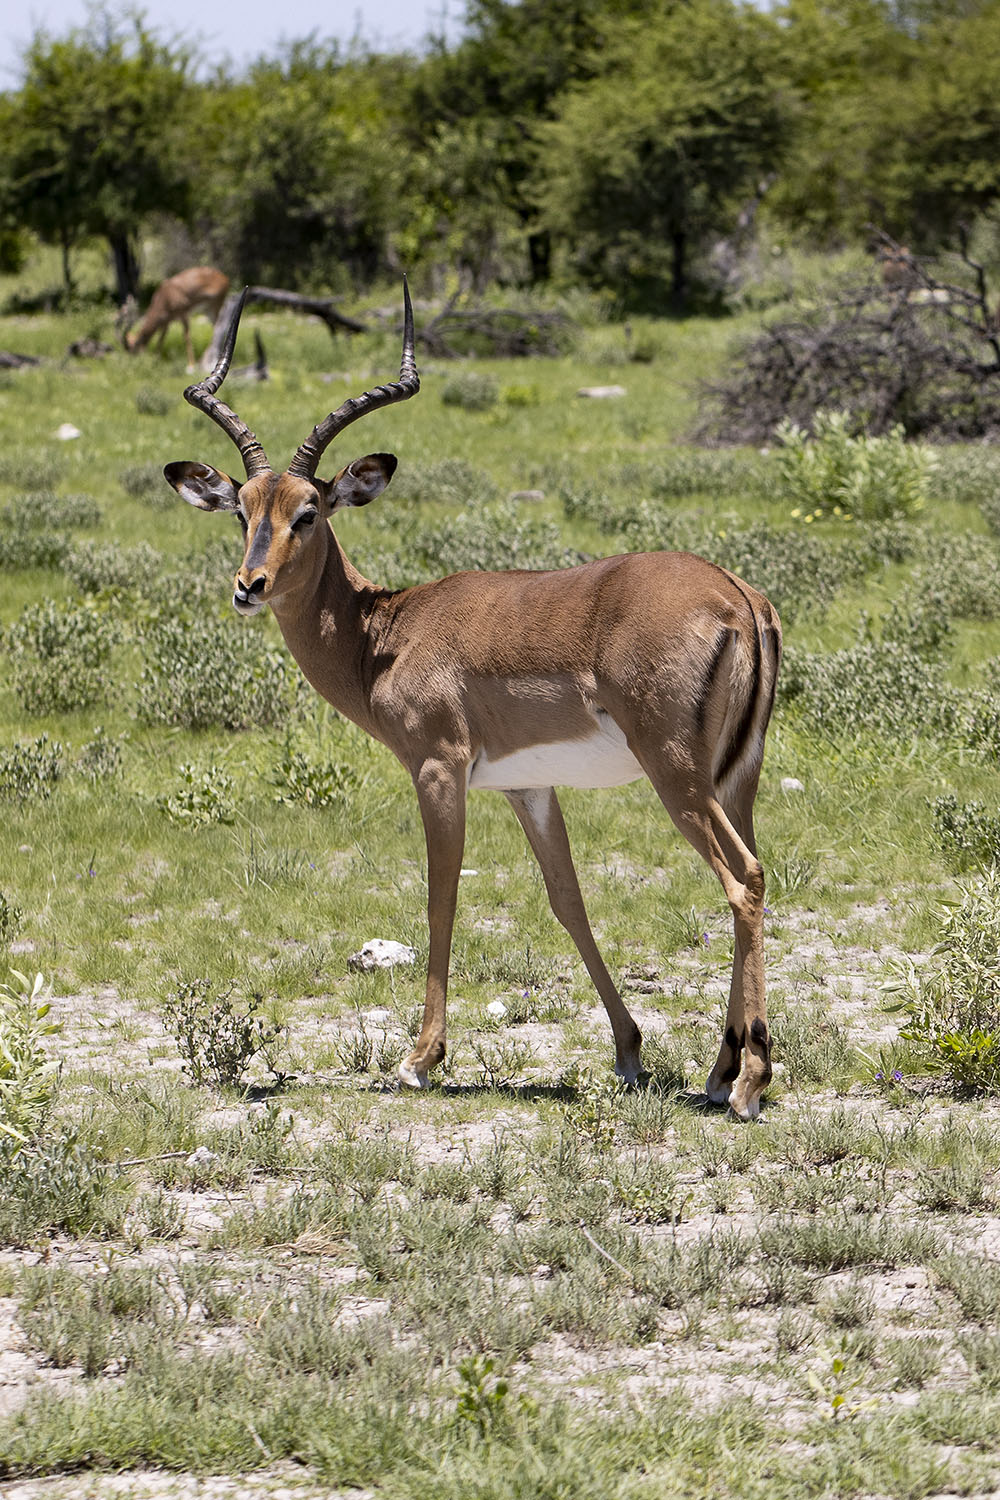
246, 591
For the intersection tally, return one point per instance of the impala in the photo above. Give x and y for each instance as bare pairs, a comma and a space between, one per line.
198, 289
654, 664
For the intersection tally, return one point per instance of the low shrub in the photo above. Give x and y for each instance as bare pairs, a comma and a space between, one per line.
30, 771
300, 779
58, 1185
28, 470
960, 577
471, 391
100, 758
210, 671
11, 917
27, 1075
64, 512
104, 567
503, 537
450, 481
146, 482
203, 797
217, 1035
59, 654
834, 472
968, 833
880, 687
953, 1004
149, 402
24, 545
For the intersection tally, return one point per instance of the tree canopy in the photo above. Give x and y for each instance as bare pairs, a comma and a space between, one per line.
615, 142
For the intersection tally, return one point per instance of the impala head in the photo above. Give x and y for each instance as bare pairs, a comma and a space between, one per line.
281, 514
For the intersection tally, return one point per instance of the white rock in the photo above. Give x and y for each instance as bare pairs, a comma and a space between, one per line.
468, 872
602, 392
66, 431
379, 1016
201, 1158
497, 1009
527, 495
381, 953
791, 784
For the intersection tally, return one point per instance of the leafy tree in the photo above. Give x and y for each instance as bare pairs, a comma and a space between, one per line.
644, 162
89, 144
495, 86
304, 174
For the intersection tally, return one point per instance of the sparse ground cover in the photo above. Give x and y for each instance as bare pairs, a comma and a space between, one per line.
236, 1258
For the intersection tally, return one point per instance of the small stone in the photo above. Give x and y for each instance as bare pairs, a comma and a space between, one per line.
66, 431
497, 1009
792, 784
378, 1017
527, 495
602, 392
381, 953
201, 1158
468, 872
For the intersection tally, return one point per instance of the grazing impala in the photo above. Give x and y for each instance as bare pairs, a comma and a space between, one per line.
198, 289
657, 664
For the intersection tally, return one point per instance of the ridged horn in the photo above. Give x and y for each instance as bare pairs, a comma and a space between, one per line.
311, 451
204, 398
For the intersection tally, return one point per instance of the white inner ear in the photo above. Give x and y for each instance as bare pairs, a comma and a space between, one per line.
359, 483
208, 490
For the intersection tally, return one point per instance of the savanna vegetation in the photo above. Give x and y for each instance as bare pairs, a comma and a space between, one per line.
230, 1246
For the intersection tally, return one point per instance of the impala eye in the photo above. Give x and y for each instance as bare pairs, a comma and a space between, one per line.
305, 520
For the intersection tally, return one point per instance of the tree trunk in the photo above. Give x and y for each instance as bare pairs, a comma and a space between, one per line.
540, 257
67, 269
125, 265
678, 262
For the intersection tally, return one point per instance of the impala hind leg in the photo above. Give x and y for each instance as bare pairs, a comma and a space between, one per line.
729, 850
540, 816
441, 794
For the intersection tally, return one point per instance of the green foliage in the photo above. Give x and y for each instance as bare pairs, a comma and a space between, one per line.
27, 1075
471, 391
880, 687
449, 481
30, 771
206, 672
57, 1184
91, 138
217, 1035
968, 832
60, 655
25, 545
953, 1004
834, 472
482, 1396
504, 538
301, 779
203, 797
105, 568
11, 917
692, 113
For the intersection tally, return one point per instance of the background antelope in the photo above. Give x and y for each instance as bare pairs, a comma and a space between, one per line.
198, 289
657, 664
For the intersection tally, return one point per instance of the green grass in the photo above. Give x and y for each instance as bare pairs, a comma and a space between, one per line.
526, 1281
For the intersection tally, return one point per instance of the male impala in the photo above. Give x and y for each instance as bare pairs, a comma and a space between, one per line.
657, 664
198, 289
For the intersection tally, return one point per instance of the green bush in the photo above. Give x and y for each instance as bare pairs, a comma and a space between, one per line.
217, 1036
210, 671
24, 545
146, 482
299, 779
834, 472
471, 391
59, 654
27, 1075
880, 687
953, 1005
47, 511
960, 577
57, 1185
10, 920
969, 834
30, 771
104, 567
203, 797
450, 481
502, 538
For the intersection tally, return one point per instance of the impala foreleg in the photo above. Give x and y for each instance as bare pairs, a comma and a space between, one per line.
441, 794
540, 816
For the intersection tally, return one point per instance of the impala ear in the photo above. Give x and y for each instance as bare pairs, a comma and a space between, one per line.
362, 481
203, 486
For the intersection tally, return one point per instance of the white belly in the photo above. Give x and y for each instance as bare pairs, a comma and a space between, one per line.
601, 759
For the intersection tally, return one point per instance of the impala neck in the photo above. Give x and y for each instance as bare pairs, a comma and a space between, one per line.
325, 621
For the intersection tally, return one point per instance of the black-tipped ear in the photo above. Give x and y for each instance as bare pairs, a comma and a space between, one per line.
203, 486
362, 481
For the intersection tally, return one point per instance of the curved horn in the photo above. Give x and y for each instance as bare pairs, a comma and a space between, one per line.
311, 451
204, 398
